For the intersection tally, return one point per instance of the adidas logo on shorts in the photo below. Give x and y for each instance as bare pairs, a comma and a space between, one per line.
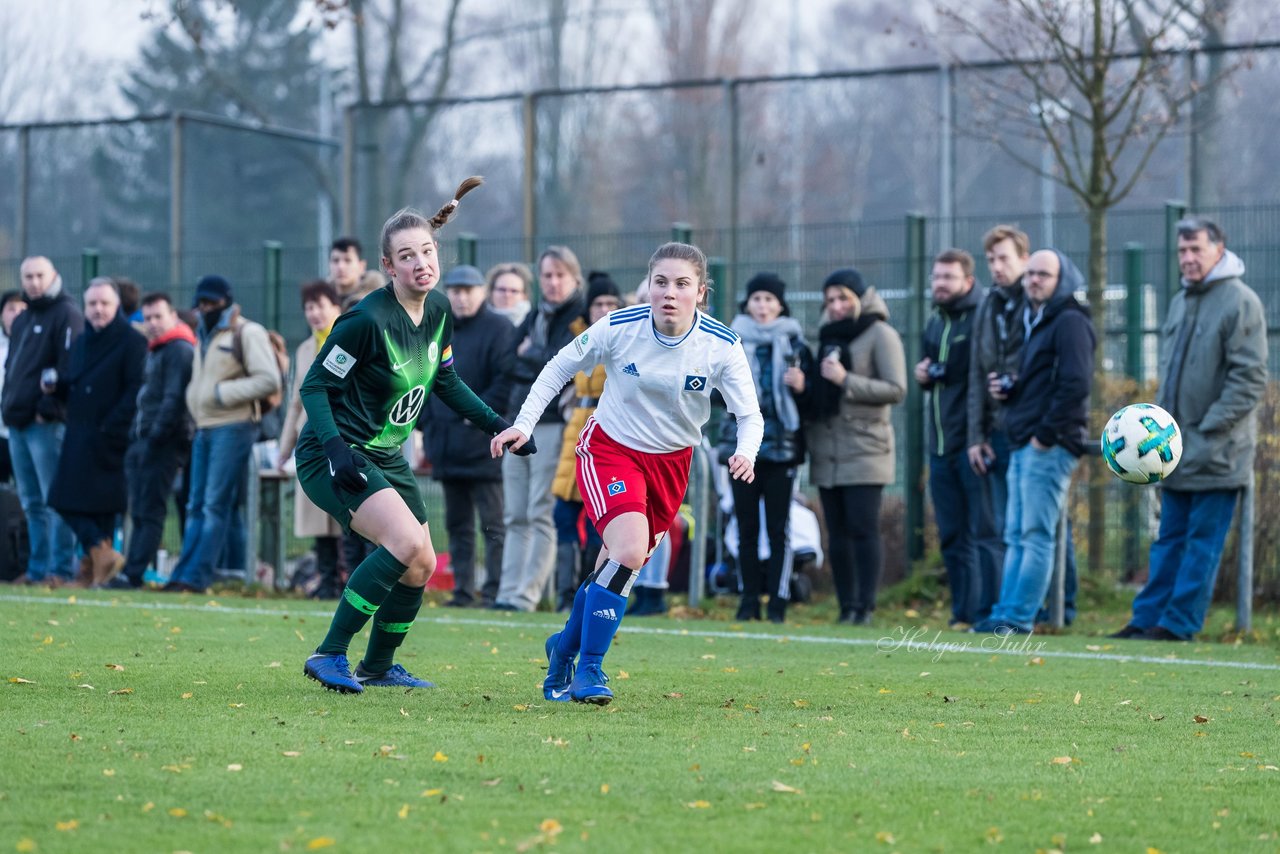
606, 614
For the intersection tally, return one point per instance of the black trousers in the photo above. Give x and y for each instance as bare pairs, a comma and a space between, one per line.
853, 530
773, 484
464, 500
149, 469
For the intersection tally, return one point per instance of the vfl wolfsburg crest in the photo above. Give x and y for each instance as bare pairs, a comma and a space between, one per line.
433, 352
405, 410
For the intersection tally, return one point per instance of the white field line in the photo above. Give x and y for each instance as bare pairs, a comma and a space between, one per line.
900, 640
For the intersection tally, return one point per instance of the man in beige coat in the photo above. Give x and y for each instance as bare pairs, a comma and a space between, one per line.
321, 305
233, 371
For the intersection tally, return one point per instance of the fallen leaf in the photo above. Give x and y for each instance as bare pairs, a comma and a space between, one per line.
115, 666
622, 674
1096, 839
604, 788
178, 812
947, 699
439, 757
290, 753
779, 786
274, 664
495, 781
67, 825
108, 772
1076, 701
800, 704
187, 695
299, 634
674, 695
122, 691
521, 707
708, 657
1060, 760
924, 673
148, 806
90, 687
884, 836
18, 680
1155, 717
431, 793
550, 826
75, 737
994, 836
698, 805
321, 842
1200, 719
403, 712
403, 812
235, 766
1036, 661
25, 845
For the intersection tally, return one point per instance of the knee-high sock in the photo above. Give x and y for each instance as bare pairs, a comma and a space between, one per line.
604, 605
571, 635
366, 590
390, 624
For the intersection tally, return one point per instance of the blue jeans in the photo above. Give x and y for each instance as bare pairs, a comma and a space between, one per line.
1038, 482
35, 450
1184, 560
219, 456
971, 547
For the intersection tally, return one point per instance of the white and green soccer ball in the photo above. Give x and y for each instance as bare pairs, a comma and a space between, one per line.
1142, 443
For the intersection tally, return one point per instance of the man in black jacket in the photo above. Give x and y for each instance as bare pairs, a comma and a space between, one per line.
961, 498
160, 439
39, 350
483, 350
1046, 416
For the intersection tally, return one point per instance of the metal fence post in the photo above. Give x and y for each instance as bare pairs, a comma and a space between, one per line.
717, 271
699, 493
914, 486
24, 188
468, 246
271, 282
1134, 326
1244, 572
735, 175
177, 153
530, 186
1173, 211
90, 261
681, 232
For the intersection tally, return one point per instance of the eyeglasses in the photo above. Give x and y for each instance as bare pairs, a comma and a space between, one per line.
1040, 274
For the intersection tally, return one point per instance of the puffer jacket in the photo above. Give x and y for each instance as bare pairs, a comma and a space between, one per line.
1223, 377
587, 390
223, 391
856, 444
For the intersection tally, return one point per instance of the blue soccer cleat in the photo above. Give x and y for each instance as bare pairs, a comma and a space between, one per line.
588, 685
395, 677
559, 673
333, 672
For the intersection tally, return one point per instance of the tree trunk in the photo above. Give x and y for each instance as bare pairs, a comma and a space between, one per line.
1095, 469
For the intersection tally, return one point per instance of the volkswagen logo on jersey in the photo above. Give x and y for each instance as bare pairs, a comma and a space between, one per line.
617, 487
405, 410
694, 383
432, 353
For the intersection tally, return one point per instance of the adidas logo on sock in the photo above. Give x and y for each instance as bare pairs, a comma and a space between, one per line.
631, 370
606, 614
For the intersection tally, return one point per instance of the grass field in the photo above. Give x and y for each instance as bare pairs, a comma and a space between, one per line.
149, 723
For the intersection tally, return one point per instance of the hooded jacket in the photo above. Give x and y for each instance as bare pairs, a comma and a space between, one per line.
1222, 377
948, 341
162, 407
1050, 397
855, 445
222, 390
41, 338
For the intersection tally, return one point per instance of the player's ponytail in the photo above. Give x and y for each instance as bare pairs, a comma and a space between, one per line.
447, 211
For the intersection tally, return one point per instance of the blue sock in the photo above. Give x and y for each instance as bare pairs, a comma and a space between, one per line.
571, 635
602, 614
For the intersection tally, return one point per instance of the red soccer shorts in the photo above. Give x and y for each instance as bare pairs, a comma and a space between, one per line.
615, 479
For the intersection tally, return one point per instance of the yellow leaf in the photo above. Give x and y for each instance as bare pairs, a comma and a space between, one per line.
67, 825
800, 704
439, 757
187, 695
698, 805
122, 691
1246, 754
753, 806
797, 761
235, 705
235, 766
1152, 850
622, 674
709, 657
148, 806
431, 793
48, 639
290, 753
1096, 839
321, 842
18, 680
1060, 760
1077, 699
1036, 661
729, 670
885, 691
493, 651
884, 836
403, 712
604, 788
404, 811
115, 667
550, 826
994, 835
175, 631
108, 772
25, 845
178, 812
521, 707
779, 786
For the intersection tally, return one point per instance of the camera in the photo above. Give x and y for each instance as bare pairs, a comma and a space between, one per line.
49, 378
937, 371
1005, 383
831, 351
793, 360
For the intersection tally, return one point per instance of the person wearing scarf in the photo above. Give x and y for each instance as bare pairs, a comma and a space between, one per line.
859, 374
775, 348
321, 304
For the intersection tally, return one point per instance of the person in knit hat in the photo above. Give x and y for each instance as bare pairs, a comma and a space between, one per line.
577, 541
776, 352
860, 373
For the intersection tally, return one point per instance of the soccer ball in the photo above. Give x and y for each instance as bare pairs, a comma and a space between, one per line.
1142, 443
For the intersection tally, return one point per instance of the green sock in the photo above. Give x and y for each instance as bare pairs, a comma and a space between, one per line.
390, 624
367, 589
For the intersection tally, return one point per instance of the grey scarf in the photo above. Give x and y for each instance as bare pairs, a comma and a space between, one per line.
779, 333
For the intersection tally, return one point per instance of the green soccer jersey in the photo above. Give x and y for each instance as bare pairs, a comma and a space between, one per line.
370, 379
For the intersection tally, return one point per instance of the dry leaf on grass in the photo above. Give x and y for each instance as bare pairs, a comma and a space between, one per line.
1200, 719
779, 786
122, 691
1060, 760
18, 680
114, 666
321, 842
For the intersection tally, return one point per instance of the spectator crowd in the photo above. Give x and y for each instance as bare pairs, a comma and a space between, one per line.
112, 408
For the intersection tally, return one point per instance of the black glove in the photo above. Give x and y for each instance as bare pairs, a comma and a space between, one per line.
529, 447
345, 465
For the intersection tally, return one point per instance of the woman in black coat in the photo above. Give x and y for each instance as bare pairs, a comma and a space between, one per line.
101, 391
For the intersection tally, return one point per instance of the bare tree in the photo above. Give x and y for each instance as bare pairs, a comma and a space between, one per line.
1096, 81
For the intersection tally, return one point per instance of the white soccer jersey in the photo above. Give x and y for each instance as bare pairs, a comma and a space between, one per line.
657, 395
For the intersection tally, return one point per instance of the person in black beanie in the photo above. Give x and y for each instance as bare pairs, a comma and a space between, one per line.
775, 348
860, 373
